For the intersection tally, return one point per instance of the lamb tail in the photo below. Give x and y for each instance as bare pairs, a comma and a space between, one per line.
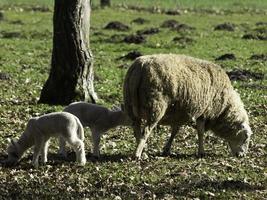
80, 130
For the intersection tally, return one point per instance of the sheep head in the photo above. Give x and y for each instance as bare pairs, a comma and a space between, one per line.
240, 141
13, 154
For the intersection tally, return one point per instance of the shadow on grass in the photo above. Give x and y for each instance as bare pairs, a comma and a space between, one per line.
55, 159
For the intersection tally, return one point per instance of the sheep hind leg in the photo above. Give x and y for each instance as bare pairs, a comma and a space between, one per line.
137, 131
78, 147
147, 130
167, 147
62, 147
44, 151
200, 133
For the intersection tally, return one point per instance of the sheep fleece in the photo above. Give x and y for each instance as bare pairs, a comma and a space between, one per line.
182, 87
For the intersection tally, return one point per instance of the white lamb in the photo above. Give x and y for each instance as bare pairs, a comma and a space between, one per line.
176, 89
99, 119
38, 132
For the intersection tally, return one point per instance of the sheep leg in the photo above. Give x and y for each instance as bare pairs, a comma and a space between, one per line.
39, 144
137, 131
200, 133
167, 147
78, 147
146, 132
44, 151
62, 147
96, 142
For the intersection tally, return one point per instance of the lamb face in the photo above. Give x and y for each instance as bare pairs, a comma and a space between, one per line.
13, 156
240, 142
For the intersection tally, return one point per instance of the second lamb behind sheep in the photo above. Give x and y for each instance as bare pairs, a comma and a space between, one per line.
99, 119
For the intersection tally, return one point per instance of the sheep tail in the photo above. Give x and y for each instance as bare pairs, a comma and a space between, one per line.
131, 90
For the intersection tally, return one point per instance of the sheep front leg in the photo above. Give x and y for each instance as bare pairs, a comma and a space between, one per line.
167, 147
39, 144
96, 141
78, 147
200, 133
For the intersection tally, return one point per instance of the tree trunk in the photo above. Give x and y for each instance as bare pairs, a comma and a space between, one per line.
71, 73
105, 3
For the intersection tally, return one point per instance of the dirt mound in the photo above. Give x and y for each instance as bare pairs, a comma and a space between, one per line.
148, 31
140, 20
261, 30
262, 57
135, 38
261, 24
173, 12
172, 23
131, 55
7, 35
183, 27
227, 56
116, 25
244, 75
4, 76
254, 36
183, 41
225, 27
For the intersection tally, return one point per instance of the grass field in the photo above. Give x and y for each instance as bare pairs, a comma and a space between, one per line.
25, 53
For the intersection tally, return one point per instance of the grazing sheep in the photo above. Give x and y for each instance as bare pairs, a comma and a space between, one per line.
176, 89
99, 119
38, 132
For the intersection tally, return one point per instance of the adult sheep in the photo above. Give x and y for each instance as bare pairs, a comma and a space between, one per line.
173, 90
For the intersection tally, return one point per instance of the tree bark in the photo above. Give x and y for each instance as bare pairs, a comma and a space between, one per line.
105, 3
71, 73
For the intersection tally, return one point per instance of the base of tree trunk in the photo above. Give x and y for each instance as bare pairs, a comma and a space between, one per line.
71, 75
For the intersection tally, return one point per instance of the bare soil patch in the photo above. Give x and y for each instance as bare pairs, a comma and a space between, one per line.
5, 34
148, 31
135, 38
171, 23
131, 55
140, 20
244, 75
262, 57
227, 56
116, 25
183, 41
183, 28
225, 27
173, 12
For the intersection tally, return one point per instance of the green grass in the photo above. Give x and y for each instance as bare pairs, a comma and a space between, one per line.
226, 4
26, 59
